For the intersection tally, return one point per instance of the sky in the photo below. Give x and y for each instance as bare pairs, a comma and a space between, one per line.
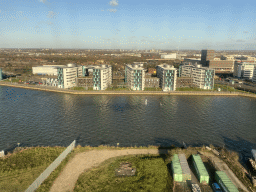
128, 24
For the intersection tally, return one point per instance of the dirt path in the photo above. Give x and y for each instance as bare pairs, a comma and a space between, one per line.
81, 162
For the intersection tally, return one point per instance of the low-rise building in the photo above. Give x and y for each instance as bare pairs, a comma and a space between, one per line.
184, 82
86, 82
169, 56
152, 82
135, 76
168, 76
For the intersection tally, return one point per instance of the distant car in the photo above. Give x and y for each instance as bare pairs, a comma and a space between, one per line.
216, 187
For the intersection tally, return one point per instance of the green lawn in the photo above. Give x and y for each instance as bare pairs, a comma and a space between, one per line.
151, 175
191, 89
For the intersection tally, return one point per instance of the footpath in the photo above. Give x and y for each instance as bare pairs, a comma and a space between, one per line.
84, 161
58, 90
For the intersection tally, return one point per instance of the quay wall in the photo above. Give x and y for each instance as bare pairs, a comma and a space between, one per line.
196, 93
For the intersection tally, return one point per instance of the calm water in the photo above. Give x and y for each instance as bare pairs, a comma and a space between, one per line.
49, 119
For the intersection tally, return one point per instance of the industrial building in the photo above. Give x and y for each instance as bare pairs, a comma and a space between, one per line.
168, 77
1, 74
135, 76
244, 69
202, 174
220, 66
203, 77
169, 56
224, 182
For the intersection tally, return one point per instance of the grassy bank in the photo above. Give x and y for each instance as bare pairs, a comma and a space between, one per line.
153, 172
20, 169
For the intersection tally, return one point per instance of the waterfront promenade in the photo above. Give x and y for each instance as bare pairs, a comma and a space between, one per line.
57, 90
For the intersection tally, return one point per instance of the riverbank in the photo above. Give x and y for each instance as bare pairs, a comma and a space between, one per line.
98, 164
196, 93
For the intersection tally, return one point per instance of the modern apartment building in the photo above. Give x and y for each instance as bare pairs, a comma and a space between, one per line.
46, 69
102, 77
135, 76
203, 77
1, 74
66, 75
168, 77
244, 69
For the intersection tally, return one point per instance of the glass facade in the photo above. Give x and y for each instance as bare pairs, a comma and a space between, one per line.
169, 79
1, 74
137, 79
96, 79
60, 77
209, 75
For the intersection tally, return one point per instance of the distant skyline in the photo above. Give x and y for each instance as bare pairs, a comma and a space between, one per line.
105, 24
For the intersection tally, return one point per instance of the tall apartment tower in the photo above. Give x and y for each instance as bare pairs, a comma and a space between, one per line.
135, 76
206, 56
168, 77
1, 74
102, 77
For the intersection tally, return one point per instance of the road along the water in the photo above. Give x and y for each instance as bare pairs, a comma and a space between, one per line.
84, 161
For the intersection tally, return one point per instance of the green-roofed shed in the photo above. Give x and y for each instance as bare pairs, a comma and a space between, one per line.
201, 171
224, 182
176, 169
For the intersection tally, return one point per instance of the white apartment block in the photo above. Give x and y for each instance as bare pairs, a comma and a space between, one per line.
135, 76
168, 77
203, 77
102, 77
244, 70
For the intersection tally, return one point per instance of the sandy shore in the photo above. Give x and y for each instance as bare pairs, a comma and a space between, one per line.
198, 93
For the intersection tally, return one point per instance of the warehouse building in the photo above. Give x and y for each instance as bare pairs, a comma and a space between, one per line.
168, 77
169, 56
135, 76
244, 70
202, 174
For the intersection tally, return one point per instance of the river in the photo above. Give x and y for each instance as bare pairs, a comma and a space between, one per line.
38, 118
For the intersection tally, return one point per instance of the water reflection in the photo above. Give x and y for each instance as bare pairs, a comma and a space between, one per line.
46, 118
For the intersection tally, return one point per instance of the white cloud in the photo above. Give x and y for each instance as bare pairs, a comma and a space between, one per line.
51, 14
113, 2
112, 10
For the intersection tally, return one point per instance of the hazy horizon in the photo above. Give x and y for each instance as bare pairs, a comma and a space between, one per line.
104, 24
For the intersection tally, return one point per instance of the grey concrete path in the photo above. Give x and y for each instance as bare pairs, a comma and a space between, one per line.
83, 161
